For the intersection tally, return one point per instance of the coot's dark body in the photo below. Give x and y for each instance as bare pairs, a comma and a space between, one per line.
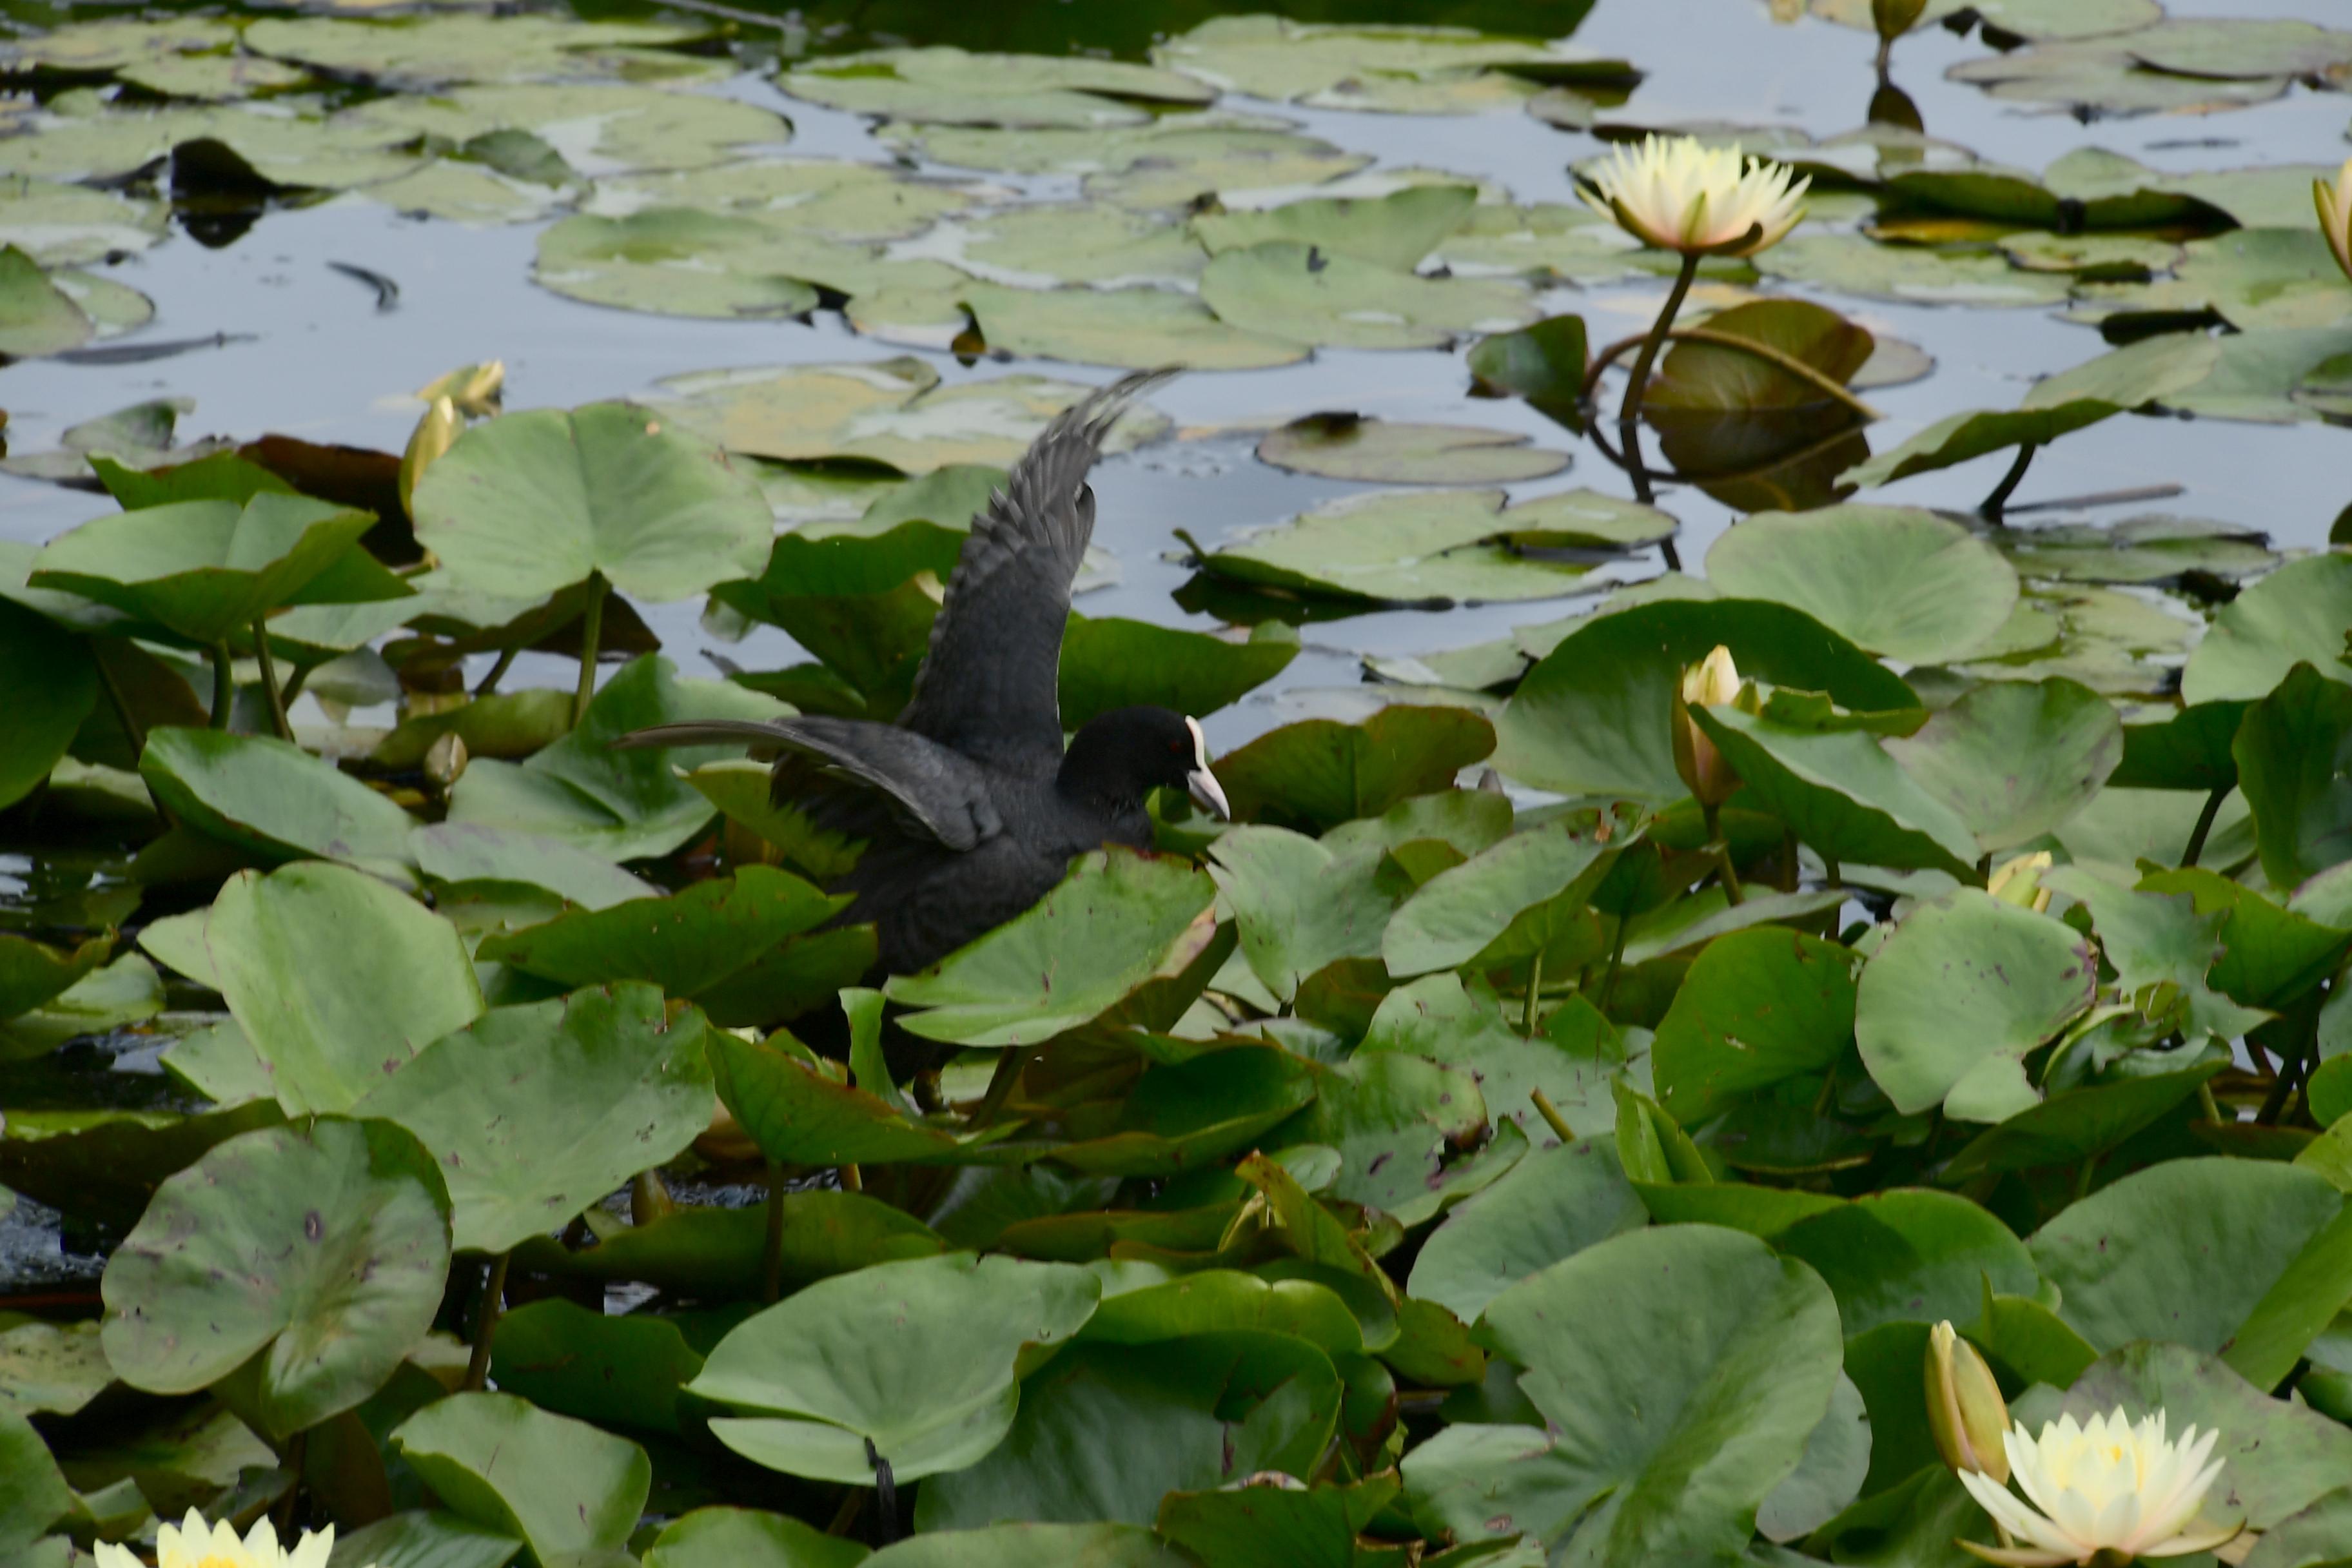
971, 808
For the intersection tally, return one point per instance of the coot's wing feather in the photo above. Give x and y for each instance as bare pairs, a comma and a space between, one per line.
988, 686
937, 791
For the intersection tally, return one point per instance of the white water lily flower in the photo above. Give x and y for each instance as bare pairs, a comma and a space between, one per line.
195, 1544
2108, 1491
2335, 205
1678, 193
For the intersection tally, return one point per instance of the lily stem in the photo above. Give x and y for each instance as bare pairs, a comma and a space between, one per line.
269, 683
1631, 408
1616, 962
2213, 1107
223, 685
1009, 1068
592, 628
2083, 1179
1550, 1114
486, 1322
2204, 825
1826, 385
1990, 509
289, 1507
1722, 847
1535, 989
772, 1252
498, 672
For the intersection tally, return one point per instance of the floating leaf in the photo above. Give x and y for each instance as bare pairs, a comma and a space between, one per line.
918, 1361
1400, 69
2294, 616
1137, 329
2294, 752
1922, 275
1350, 446
1031, 1545
317, 1254
1286, 289
1956, 995
1757, 1007
1552, 1205
713, 1253
2015, 759
685, 944
1299, 906
502, 1463
614, 1371
945, 85
453, 46
1460, 913
1902, 583
1117, 663
1839, 791
1320, 772
2103, 74
273, 799
1396, 230
749, 1538
1431, 549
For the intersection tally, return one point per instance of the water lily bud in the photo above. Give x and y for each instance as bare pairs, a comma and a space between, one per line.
445, 760
2018, 881
2335, 204
474, 389
1965, 1410
435, 433
1678, 193
1710, 683
1893, 18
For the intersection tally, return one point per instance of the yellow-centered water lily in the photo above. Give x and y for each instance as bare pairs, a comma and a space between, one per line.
435, 433
2018, 881
1714, 680
2101, 1492
1678, 193
195, 1544
2335, 205
1966, 1413
475, 389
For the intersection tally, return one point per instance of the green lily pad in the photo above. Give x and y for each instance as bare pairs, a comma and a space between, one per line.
677, 261
1299, 906
206, 569
2015, 759
835, 200
335, 978
1320, 772
1269, 1525
1736, 1353
1286, 289
1460, 914
1591, 717
749, 1538
1374, 451
2294, 616
1137, 329
511, 1105
455, 46
532, 502
1401, 547
2239, 47
596, 130
1901, 582
2025, 18
1158, 166
685, 944
421, 1535
2077, 1124
800, 1115
34, 1494
1958, 993
1395, 67
614, 1371
66, 225
55, 685
1757, 1007
2089, 188
354, 1224
1117, 920
716, 1253
1117, 663
558, 1485
2147, 549
947, 86
1033, 1546
53, 1367
1839, 792
2188, 1252
1909, 1255
450, 852
2103, 74
107, 43
275, 799
1552, 1205
2293, 752
36, 317
1395, 231
2145, 372
917, 1361
893, 412
1919, 275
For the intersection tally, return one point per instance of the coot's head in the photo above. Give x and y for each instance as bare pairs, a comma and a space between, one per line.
1119, 757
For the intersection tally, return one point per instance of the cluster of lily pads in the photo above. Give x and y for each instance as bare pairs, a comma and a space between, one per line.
1550, 1125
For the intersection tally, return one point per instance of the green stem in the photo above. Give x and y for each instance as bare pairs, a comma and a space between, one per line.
498, 672
1788, 860
1009, 1068
485, 1322
1616, 960
2204, 825
223, 685
1535, 989
2083, 1180
592, 628
289, 1509
1631, 408
2213, 1107
1722, 847
269, 683
1550, 1114
1991, 507
772, 1252
1748, 346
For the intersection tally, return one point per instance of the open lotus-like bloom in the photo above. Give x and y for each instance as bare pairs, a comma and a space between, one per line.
2335, 205
195, 1544
2108, 1491
1674, 193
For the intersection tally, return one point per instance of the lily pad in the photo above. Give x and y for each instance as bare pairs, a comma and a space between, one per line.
535, 1112
1162, 165
2015, 759
1901, 582
1299, 906
1116, 663
317, 1255
1757, 1007
749, 1538
1401, 547
1395, 231
1400, 68
2294, 616
1919, 275
558, 1485
1115, 922
1956, 996
1320, 772
66, 226
1137, 329
947, 86
2293, 753
917, 1362
1285, 289
684, 944
1459, 914
1351, 447
454, 47
1552, 1205
274, 800
2103, 74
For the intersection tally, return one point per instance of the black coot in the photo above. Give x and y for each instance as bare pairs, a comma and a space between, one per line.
970, 806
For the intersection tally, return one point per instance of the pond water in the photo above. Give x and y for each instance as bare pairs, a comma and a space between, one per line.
311, 353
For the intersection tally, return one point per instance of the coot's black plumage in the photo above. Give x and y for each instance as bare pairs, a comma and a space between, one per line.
971, 807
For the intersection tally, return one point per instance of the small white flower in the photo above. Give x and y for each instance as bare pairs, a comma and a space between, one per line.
195, 1544
2107, 1492
2335, 205
1674, 193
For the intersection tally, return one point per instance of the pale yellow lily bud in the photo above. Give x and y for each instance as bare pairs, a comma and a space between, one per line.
1966, 1413
475, 389
1710, 683
1893, 18
2018, 881
2335, 205
445, 758
435, 433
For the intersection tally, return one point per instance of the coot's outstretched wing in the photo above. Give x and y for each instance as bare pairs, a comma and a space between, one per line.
988, 684
935, 790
